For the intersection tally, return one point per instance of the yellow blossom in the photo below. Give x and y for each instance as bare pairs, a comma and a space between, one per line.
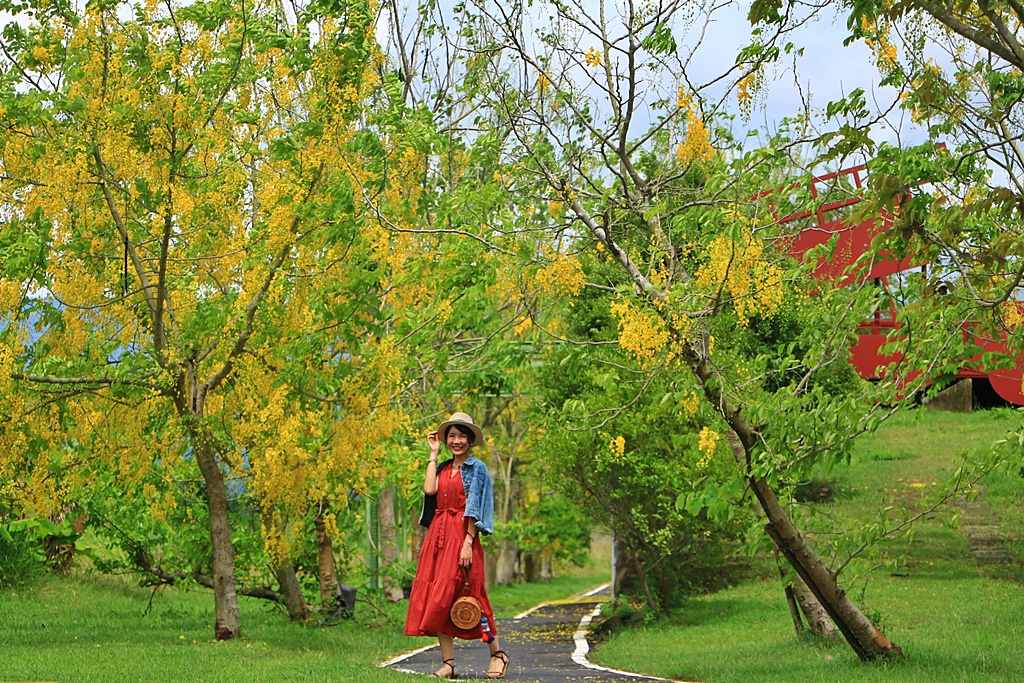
641, 334
738, 270
689, 404
1012, 313
696, 144
444, 311
563, 274
746, 87
618, 448
707, 441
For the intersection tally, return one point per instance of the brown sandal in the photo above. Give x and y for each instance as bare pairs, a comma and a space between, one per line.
450, 663
503, 657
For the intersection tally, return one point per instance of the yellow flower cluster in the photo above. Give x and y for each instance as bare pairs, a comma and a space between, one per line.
706, 444
640, 334
274, 541
444, 311
885, 53
618, 448
6, 365
644, 12
739, 270
696, 144
920, 111
1012, 314
593, 57
746, 88
563, 274
683, 98
543, 83
523, 326
689, 404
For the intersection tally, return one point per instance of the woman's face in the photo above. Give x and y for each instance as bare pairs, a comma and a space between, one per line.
458, 443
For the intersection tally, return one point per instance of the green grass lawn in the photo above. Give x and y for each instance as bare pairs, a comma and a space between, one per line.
953, 624
96, 629
93, 629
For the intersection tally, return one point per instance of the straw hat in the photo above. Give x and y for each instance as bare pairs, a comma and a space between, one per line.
463, 420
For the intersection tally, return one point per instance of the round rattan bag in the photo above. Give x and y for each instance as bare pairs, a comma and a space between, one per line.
466, 610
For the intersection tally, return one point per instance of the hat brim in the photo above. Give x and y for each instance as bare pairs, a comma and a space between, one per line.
478, 434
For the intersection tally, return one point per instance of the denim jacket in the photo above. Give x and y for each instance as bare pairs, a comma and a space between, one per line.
479, 495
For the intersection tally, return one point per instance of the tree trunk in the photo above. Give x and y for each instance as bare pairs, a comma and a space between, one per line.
641, 577
794, 611
800, 600
490, 569
794, 608
817, 618
505, 566
372, 546
866, 640
530, 567
547, 572
227, 622
417, 535
860, 633
622, 581
390, 572
327, 573
291, 591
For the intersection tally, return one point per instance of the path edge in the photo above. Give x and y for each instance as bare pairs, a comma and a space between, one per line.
583, 649
404, 656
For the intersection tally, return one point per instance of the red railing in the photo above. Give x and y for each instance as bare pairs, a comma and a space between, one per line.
843, 265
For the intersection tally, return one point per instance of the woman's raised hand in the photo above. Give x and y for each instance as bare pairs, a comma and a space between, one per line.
435, 444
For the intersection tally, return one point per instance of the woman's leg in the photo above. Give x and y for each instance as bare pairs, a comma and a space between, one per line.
447, 654
499, 660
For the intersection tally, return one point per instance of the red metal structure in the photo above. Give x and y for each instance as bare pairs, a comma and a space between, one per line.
831, 219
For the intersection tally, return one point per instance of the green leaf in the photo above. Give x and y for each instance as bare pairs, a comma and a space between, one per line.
660, 41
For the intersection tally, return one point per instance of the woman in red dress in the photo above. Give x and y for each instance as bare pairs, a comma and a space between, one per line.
458, 506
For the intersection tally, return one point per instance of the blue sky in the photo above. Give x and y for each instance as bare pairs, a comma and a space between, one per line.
825, 72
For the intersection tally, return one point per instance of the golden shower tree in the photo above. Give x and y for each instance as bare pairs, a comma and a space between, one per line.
202, 257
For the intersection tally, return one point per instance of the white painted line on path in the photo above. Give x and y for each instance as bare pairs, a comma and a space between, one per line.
531, 610
583, 647
407, 655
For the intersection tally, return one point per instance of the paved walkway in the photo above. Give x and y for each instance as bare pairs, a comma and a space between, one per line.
546, 644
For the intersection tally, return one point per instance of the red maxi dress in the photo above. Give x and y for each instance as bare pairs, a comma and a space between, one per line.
439, 579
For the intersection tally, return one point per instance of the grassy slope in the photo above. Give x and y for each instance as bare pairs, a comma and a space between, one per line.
95, 630
953, 624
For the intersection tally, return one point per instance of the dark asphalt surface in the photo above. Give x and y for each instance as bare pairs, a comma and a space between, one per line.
540, 647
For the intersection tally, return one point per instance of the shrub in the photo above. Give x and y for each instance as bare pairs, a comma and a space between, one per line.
22, 560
